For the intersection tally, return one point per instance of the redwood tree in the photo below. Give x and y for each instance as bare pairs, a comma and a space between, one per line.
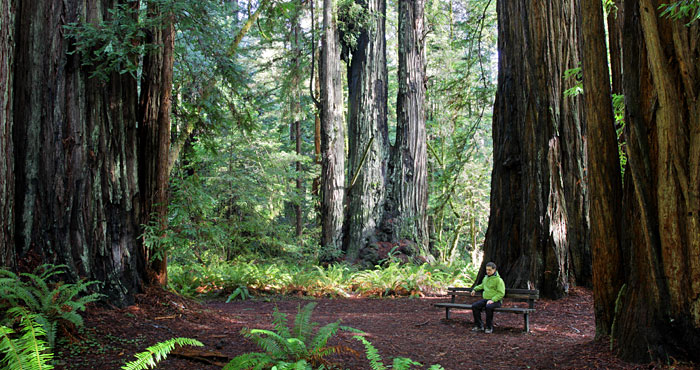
408, 180
537, 221
603, 167
7, 244
154, 134
332, 133
659, 309
368, 143
75, 155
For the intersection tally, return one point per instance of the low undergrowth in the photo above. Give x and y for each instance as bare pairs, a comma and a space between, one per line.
241, 279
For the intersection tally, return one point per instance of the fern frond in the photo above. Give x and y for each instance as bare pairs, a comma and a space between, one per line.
249, 360
436, 367
279, 322
324, 334
8, 346
268, 341
28, 351
158, 352
403, 363
372, 354
302, 322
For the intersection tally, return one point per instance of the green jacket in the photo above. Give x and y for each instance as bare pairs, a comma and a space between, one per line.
493, 286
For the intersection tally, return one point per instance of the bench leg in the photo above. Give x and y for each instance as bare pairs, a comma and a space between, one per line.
527, 323
447, 313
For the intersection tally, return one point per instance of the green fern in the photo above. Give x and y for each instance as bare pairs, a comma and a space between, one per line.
158, 352
53, 304
28, 351
399, 363
290, 349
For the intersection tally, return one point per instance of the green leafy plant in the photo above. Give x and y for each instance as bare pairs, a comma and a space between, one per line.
241, 291
682, 9
53, 304
399, 363
28, 350
158, 352
577, 76
297, 348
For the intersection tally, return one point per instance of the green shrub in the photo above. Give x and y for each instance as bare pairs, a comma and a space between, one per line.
53, 304
297, 348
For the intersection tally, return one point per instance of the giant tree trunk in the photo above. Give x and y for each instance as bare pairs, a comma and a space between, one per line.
296, 112
7, 27
332, 134
75, 154
538, 150
408, 198
154, 137
367, 133
660, 308
603, 167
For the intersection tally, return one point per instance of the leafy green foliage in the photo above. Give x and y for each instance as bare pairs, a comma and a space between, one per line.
52, 304
244, 279
399, 363
28, 351
158, 352
576, 75
461, 69
688, 9
297, 348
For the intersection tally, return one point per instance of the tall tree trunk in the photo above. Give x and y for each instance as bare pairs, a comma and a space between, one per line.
408, 198
538, 150
75, 154
296, 114
603, 167
614, 20
367, 133
332, 134
7, 49
660, 308
154, 136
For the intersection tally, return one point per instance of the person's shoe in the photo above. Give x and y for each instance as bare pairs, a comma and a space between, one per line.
477, 328
488, 331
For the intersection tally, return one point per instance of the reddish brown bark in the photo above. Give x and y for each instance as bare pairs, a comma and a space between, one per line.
7, 244
154, 137
75, 154
537, 225
603, 166
408, 177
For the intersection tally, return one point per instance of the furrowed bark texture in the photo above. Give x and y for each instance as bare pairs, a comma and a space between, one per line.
408, 198
603, 167
75, 154
538, 199
367, 133
7, 39
659, 312
154, 137
332, 134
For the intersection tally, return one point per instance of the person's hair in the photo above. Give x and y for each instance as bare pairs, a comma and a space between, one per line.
491, 265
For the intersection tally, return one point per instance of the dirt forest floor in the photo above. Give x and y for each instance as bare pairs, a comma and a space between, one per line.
561, 334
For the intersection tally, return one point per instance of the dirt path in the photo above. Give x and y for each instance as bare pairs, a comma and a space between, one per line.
561, 332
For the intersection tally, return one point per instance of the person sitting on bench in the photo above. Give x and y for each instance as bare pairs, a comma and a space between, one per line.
494, 290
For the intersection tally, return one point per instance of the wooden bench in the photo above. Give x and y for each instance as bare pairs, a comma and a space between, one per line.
516, 295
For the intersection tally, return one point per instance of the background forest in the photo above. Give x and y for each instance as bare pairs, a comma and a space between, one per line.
246, 181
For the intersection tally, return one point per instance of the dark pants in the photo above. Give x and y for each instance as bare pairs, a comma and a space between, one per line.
478, 306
